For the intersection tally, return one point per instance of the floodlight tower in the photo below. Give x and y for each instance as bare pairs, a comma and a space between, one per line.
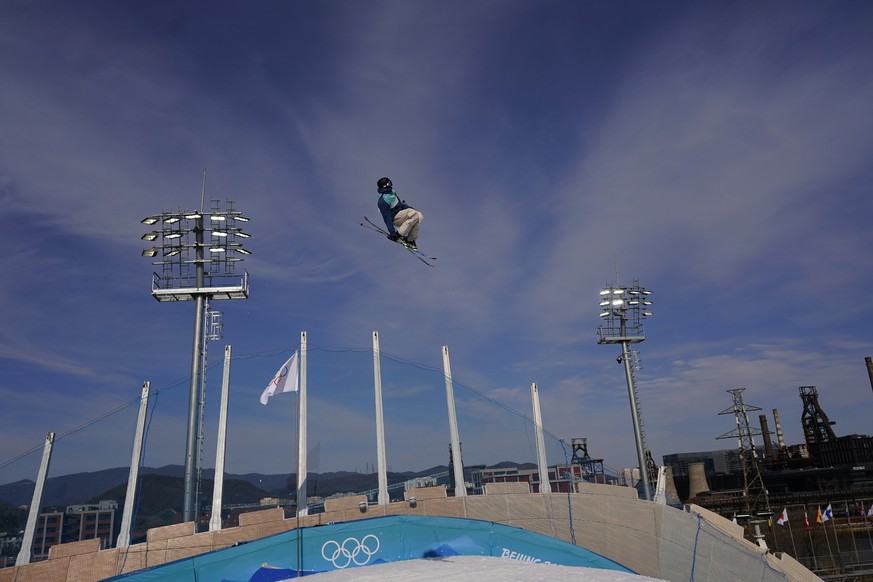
198, 253
623, 309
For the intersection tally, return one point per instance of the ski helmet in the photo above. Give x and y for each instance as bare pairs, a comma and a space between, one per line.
383, 183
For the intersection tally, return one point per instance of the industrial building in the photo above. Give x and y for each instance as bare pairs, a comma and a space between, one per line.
562, 478
825, 467
75, 523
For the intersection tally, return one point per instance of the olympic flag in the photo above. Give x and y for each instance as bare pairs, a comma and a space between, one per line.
285, 380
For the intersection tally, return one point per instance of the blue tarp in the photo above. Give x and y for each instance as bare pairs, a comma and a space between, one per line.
369, 541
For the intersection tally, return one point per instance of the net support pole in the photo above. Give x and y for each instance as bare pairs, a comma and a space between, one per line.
220, 447
33, 513
457, 463
133, 475
542, 462
383, 498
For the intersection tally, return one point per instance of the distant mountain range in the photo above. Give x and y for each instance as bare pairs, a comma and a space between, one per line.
91, 487
161, 491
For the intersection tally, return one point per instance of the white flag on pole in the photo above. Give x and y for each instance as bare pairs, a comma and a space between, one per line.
783, 519
828, 514
285, 380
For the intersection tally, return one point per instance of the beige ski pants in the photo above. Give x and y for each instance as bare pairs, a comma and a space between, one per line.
407, 222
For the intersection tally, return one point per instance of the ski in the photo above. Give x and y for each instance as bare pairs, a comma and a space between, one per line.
421, 256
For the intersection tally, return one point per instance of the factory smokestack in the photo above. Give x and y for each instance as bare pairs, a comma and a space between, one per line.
779, 437
869, 362
696, 480
765, 432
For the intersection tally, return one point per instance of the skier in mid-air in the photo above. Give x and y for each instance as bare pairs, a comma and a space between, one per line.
401, 220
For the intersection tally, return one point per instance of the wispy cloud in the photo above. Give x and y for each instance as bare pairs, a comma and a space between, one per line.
718, 153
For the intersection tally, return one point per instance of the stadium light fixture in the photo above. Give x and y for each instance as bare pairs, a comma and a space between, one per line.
180, 241
622, 313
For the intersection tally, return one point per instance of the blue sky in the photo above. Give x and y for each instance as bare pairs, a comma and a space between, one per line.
717, 151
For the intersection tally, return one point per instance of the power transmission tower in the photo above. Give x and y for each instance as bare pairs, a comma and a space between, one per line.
754, 492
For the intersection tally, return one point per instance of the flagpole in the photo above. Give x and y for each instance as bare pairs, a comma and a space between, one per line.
288, 379
865, 515
836, 539
297, 500
302, 470
773, 531
827, 538
852, 531
809, 534
791, 534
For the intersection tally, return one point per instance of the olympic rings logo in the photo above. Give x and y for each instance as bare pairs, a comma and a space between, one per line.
279, 376
351, 551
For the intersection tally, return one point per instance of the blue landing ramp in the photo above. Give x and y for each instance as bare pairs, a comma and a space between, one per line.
365, 542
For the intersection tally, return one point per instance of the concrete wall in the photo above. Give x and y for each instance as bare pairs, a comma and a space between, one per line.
506, 488
653, 540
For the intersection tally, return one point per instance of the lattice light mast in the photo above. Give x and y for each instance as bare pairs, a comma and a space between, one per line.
198, 251
754, 492
623, 309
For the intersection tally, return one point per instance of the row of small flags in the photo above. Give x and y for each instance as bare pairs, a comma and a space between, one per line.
820, 517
